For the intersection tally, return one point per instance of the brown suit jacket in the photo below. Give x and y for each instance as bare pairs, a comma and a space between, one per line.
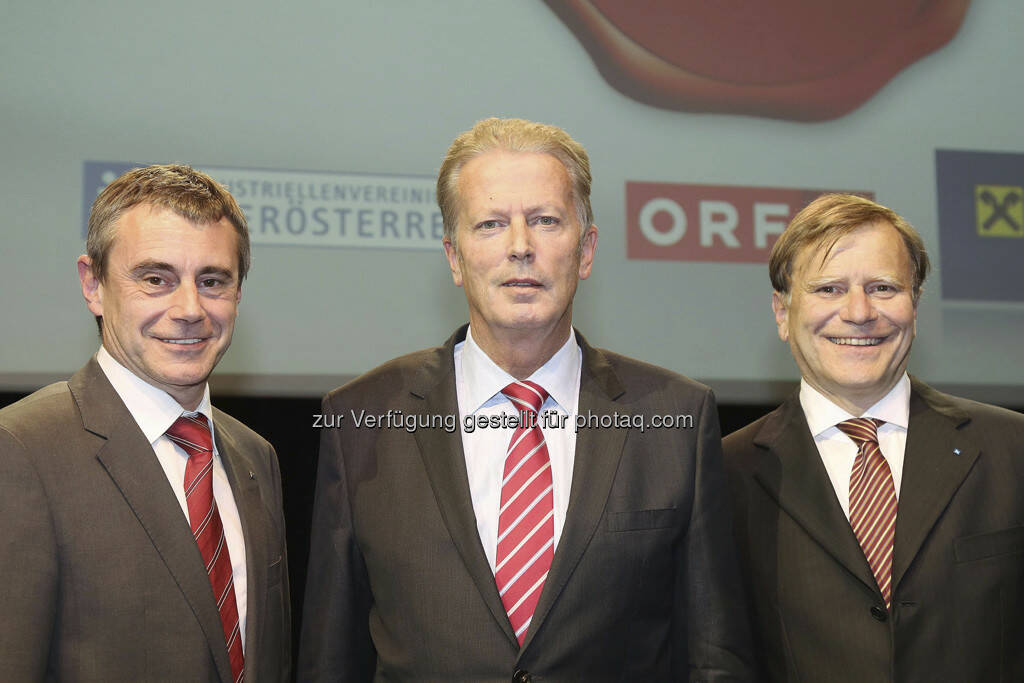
102, 579
958, 557
643, 585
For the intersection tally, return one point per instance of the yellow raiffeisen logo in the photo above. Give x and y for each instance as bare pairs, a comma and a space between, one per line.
999, 210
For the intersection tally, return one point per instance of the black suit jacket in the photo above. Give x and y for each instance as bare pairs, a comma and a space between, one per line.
643, 584
101, 577
958, 556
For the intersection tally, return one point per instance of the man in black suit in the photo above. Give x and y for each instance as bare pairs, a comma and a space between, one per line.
472, 534
879, 521
143, 537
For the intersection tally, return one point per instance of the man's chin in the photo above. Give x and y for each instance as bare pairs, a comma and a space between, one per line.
527, 323
185, 378
858, 386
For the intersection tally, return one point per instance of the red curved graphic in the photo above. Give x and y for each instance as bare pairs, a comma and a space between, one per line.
803, 60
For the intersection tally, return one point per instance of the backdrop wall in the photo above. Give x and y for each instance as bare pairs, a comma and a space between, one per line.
333, 97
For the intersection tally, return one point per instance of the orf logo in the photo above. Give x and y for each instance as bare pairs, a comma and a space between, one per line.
999, 210
805, 60
728, 224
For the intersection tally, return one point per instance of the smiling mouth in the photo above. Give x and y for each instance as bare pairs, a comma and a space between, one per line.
521, 283
856, 341
184, 342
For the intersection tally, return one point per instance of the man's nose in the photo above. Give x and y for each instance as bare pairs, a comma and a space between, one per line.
520, 240
186, 303
858, 307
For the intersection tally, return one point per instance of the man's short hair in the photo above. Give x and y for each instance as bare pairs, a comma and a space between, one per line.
191, 194
513, 135
825, 221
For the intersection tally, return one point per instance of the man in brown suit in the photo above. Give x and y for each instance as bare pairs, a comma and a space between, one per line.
465, 538
117, 530
879, 521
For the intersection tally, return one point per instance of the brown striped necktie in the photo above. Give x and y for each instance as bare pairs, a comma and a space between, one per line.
526, 527
872, 501
192, 433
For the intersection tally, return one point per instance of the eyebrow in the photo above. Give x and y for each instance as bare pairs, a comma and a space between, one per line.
527, 211
151, 265
146, 266
214, 270
825, 279
543, 208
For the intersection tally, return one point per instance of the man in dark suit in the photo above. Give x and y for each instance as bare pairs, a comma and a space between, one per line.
143, 537
470, 533
879, 521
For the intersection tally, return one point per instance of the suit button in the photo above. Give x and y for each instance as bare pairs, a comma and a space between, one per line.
521, 676
879, 613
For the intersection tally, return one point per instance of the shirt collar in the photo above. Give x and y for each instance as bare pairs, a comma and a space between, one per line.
822, 413
153, 409
560, 376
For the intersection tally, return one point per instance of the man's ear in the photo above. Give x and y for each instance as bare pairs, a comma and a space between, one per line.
92, 289
588, 244
781, 310
453, 261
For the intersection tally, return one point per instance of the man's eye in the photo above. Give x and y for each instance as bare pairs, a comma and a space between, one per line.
826, 289
547, 220
489, 225
210, 282
154, 280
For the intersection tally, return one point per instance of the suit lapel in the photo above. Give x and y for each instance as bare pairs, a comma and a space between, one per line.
598, 452
793, 474
245, 490
130, 462
445, 463
936, 461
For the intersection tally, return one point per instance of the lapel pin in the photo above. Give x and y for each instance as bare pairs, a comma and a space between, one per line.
956, 451
252, 475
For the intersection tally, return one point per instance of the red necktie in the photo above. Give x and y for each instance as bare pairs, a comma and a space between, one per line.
526, 526
193, 435
872, 501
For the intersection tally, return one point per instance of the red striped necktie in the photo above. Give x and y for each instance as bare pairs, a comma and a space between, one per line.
526, 527
193, 435
872, 501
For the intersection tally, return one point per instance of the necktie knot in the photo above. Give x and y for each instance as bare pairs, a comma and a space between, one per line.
192, 433
526, 395
861, 429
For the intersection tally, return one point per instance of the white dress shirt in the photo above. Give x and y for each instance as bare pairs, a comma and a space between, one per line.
154, 410
838, 451
479, 381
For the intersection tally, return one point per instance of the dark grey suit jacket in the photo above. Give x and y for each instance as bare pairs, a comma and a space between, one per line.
643, 586
102, 579
958, 556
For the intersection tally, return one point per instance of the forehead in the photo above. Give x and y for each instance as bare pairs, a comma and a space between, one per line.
874, 247
501, 176
150, 232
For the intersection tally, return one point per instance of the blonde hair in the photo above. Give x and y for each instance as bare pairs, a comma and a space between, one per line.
513, 135
825, 221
